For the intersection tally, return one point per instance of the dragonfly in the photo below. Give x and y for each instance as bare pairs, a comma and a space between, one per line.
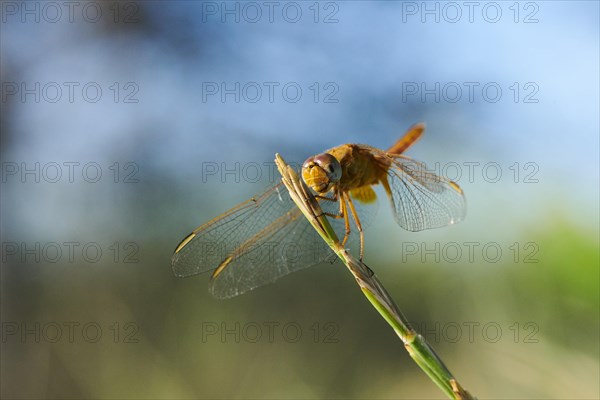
267, 236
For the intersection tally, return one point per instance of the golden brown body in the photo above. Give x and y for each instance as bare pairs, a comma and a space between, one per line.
350, 170
360, 167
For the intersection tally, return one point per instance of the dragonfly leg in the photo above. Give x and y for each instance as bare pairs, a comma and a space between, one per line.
332, 215
332, 198
344, 213
358, 226
340, 214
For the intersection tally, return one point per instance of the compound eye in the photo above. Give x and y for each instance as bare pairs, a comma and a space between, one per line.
321, 172
330, 165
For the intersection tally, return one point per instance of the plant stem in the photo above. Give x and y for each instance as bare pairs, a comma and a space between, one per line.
421, 352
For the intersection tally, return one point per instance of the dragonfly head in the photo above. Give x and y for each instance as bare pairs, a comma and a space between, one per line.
321, 172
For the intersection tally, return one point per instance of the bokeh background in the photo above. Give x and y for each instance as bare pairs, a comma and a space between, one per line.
90, 308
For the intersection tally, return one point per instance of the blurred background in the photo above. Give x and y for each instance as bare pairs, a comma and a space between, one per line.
125, 125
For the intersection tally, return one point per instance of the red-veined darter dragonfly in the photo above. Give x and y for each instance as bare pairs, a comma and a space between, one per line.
267, 237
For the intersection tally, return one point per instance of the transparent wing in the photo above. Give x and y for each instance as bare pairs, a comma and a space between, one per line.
254, 243
420, 199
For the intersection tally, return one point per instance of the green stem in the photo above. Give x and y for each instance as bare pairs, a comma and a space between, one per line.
421, 352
